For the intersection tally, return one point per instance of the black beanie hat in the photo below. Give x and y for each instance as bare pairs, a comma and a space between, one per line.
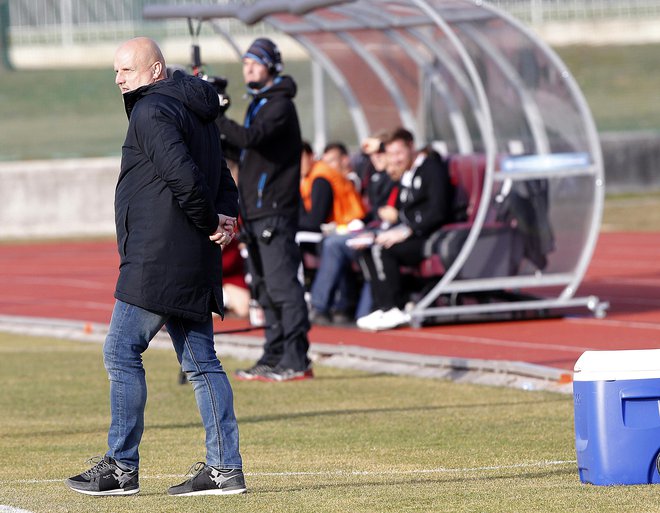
264, 51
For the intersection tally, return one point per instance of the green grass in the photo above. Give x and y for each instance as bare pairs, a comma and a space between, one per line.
79, 113
632, 212
620, 84
346, 441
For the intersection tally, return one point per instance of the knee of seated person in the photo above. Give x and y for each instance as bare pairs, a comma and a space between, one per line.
334, 245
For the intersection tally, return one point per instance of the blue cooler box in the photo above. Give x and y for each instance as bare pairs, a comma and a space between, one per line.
616, 395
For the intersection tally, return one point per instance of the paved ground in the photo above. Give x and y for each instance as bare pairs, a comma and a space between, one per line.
71, 285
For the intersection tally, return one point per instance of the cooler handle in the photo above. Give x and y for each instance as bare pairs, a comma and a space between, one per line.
640, 393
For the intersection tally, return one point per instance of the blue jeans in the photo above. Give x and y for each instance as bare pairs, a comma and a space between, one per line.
336, 261
131, 330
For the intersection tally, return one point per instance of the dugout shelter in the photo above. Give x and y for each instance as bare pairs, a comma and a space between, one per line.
486, 92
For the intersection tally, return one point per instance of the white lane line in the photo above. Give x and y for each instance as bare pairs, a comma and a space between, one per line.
492, 341
438, 470
93, 284
13, 300
614, 322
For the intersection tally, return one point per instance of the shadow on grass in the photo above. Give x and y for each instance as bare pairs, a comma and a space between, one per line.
366, 411
446, 478
277, 417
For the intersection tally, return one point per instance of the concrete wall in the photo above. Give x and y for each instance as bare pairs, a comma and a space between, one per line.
57, 198
64, 198
632, 161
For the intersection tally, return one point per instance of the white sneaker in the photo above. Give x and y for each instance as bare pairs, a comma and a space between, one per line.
366, 321
390, 319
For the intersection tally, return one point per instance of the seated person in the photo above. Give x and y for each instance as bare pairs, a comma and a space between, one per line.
335, 273
327, 195
335, 154
234, 289
328, 199
424, 204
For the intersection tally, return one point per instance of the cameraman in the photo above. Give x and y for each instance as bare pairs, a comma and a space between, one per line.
269, 181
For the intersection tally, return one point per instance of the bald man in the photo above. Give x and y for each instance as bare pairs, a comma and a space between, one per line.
175, 208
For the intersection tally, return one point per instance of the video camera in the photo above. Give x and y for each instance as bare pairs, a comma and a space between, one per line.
231, 152
218, 83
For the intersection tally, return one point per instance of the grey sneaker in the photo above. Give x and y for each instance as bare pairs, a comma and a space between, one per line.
279, 374
106, 477
207, 480
255, 373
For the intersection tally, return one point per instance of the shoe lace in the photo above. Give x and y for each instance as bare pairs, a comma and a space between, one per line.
99, 465
196, 468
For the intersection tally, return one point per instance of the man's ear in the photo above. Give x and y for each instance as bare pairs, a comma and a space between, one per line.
157, 70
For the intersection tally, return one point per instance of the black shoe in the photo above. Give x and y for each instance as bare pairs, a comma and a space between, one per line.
255, 373
279, 374
342, 319
319, 318
208, 480
106, 477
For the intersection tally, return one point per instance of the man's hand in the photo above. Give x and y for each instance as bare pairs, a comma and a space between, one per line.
225, 232
227, 223
393, 236
388, 214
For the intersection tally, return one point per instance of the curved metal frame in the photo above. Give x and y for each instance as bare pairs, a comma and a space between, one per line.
597, 169
361, 15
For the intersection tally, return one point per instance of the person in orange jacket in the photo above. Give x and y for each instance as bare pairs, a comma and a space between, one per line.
328, 196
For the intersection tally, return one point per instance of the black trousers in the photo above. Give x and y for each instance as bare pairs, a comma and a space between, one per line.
282, 296
381, 267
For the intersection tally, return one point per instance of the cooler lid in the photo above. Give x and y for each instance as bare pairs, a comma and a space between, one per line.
616, 365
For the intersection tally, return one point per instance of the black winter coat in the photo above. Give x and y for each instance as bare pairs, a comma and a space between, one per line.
269, 172
173, 183
426, 204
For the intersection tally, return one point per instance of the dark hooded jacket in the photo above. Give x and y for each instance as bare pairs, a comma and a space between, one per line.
269, 176
173, 184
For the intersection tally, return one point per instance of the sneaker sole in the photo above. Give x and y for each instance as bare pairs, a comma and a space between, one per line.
245, 378
235, 491
297, 378
249, 377
252, 378
384, 328
106, 493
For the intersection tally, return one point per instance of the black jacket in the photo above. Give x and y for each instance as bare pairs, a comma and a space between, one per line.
173, 183
426, 204
322, 198
269, 172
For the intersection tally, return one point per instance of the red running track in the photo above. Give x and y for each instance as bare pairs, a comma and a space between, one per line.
75, 280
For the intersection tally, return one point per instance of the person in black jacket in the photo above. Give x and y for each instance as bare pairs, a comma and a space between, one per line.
269, 182
175, 208
424, 204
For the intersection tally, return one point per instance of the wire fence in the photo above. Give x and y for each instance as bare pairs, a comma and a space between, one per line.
67, 22
543, 11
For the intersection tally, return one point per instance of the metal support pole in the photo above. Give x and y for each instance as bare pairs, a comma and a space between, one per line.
66, 22
5, 62
318, 87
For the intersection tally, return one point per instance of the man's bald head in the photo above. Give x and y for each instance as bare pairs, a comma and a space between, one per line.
138, 62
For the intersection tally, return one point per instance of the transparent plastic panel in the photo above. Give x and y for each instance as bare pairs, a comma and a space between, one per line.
452, 107
375, 100
532, 106
397, 65
534, 228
